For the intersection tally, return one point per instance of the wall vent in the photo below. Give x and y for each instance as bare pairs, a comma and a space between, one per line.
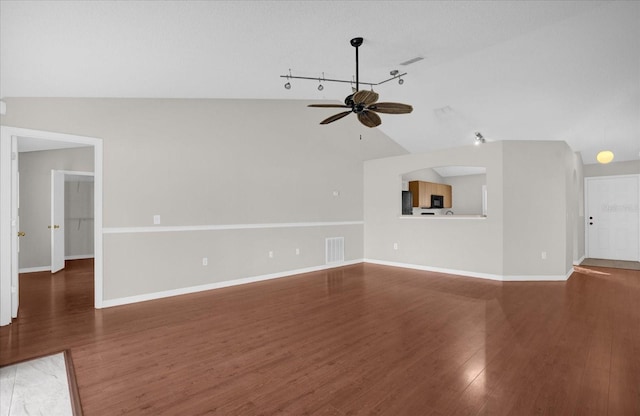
334, 249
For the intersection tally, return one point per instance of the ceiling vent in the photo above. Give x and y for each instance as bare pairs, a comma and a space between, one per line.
412, 61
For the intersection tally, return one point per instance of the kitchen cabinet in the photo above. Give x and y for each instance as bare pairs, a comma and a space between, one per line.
421, 192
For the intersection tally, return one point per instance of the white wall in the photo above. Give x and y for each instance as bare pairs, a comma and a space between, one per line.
215, 163
465, 245
466, 193
536, 209
577, 184
528, 213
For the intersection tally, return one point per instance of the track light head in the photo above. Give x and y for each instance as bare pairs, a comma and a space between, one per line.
320, 87
400, 81
479, 138
287, 85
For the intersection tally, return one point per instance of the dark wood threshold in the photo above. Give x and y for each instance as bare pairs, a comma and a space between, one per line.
74, 395
76, 406
26, 359
614, 264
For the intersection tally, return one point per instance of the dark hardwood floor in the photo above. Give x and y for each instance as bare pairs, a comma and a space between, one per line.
358, 340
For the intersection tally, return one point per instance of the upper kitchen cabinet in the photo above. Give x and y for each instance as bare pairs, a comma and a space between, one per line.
422, 192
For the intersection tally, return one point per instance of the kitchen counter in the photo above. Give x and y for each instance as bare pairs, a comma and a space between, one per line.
445, 217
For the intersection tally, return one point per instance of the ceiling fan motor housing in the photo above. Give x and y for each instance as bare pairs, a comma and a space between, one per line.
349, 100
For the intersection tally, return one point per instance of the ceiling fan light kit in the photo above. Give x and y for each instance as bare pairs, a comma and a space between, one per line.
362, 102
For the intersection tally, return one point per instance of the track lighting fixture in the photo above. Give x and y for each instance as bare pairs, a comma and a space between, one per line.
479, 138
395, 74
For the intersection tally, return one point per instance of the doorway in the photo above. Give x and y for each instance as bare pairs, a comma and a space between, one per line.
72, 217
612, 218
9, 284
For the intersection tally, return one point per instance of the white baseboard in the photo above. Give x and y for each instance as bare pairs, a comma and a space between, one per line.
35, 269
79, 257
466, 273
217, 285
48, 268
579, 261
548, 278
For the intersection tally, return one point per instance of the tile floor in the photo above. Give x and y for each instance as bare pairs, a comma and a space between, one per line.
35, 387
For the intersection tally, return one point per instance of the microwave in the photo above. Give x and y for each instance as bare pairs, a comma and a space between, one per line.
437, 201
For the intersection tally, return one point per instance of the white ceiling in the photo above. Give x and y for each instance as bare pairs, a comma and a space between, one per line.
513, 70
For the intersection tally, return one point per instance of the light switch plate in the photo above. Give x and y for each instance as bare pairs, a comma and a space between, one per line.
156, 219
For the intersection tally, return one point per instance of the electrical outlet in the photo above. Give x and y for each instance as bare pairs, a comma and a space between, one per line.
156, 219
271, 254
205, 261
395, 246
543, 255
297, 252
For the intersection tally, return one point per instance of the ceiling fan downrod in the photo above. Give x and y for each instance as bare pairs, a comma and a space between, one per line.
356, 42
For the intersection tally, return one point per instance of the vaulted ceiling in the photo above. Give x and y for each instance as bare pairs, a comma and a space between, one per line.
512, 70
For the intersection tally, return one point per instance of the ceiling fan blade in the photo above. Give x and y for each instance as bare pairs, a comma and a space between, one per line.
365, 97
369, 118
390, 108
328, 106
335, 117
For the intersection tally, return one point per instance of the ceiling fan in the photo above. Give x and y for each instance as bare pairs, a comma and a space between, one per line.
363, 103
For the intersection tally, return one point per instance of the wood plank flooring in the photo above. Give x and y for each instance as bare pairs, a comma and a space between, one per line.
359, 340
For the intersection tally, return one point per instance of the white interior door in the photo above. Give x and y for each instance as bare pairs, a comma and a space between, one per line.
15, 228
57, 221
613, 217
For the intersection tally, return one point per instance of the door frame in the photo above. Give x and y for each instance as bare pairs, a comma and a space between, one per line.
6, 238
587, 181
